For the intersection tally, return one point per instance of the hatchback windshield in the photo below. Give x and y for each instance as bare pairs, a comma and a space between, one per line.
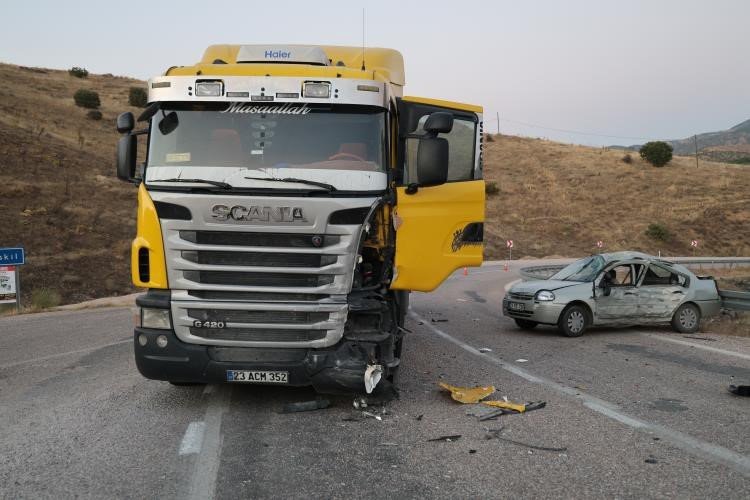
254, 136
580, 270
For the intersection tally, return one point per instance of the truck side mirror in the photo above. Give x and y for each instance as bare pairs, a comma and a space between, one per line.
127, 149
432, 161
438, 123
125, 123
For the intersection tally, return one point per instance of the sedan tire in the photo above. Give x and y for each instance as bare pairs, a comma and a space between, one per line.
526, 324
687, 318
573, 321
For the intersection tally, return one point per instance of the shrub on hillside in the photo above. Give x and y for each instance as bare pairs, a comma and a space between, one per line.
94, 114
138, 97
490, 188
657, 153
78, 72
44, 298
87, 99
657, 232
627, 159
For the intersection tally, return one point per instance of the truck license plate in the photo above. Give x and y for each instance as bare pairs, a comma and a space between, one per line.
257, 377
516, 306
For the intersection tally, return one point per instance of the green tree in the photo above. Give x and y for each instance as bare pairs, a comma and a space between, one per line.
657, 153
138, 97
87, 99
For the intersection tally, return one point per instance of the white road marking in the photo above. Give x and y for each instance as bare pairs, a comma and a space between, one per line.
193, 438
206, 468
703, 449
699, 346
61, 354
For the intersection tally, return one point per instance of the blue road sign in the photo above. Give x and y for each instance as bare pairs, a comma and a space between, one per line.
12, 257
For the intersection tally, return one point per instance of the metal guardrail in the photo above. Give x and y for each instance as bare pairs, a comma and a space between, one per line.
737, 301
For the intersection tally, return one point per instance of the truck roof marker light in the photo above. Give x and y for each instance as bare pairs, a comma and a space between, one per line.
238, 94
161, 85
368, 88
261, 98
209, 88
287, 95
317, 90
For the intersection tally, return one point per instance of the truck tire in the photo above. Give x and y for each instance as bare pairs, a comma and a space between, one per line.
687, 318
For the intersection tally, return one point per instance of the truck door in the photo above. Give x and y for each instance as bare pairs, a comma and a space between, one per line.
439, 228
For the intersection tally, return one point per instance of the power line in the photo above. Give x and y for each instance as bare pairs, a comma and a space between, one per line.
578, 132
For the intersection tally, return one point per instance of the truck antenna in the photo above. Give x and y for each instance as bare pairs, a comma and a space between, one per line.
363, 39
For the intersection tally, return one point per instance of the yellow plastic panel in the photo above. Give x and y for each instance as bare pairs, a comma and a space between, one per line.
148, 236
429, 224
459, 106
468, 395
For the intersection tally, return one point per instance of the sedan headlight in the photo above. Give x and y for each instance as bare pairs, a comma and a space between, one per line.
544, 296
155, 318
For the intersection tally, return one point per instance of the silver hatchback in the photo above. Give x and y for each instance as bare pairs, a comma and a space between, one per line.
623, 288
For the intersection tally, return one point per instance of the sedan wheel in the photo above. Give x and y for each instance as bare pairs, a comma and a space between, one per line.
687, 318
573, 321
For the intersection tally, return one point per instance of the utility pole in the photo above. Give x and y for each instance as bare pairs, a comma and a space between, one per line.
498, 123
695, 138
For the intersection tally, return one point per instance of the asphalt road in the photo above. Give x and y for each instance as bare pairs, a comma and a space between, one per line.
630, 413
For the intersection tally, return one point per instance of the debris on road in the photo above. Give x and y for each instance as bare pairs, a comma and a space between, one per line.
439, 320
516, 407
447, 439
651, 460
698, 338
318, 404
495, 434
740, 390
372, 415
468, 395
372, 377
521, 360
360, 402
419, 417
484, 349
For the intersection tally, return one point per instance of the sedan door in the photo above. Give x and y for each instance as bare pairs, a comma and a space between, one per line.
621, 304
661, 292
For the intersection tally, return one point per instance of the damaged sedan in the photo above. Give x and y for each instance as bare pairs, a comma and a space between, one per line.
615, 289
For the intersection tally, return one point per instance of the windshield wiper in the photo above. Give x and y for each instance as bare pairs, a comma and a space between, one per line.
222, 185
323, 185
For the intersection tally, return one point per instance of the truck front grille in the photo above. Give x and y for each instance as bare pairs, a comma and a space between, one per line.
258, 279
259, 335
246, 239
258, 259
268, 317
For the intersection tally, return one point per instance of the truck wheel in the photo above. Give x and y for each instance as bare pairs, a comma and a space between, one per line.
573, 321
687, 318
525, 324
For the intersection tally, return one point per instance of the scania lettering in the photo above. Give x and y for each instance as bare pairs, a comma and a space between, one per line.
290, 199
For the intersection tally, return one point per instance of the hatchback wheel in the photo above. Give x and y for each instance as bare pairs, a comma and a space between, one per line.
573, 321
687, 318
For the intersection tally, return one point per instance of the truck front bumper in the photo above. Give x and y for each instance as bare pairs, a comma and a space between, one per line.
336, 370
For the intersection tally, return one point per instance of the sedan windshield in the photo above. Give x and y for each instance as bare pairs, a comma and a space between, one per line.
580, 270
256, 136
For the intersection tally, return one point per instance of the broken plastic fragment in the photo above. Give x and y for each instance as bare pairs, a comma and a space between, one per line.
468, 395
521, 360
506, 405
373, 373
485, 349
449, 439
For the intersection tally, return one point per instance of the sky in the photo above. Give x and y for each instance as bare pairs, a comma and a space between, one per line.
595, 72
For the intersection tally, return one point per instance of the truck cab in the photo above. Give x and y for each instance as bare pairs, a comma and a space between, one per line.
290, 199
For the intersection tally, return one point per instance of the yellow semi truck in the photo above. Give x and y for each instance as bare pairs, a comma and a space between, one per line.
290, 199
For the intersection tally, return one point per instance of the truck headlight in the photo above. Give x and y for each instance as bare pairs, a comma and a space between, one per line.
155, 318
544, 296
211, 88
317, 90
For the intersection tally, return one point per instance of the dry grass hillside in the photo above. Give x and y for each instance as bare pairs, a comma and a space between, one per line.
59, 197
558, 199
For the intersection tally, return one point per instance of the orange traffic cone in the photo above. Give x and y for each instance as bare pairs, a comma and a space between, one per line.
466, 271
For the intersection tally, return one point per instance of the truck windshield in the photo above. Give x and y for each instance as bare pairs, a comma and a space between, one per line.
254, 136
580, 270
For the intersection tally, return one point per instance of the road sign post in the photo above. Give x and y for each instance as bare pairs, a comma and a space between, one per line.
10, 277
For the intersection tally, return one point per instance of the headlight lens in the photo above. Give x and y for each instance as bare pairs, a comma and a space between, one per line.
155, 318
545, 296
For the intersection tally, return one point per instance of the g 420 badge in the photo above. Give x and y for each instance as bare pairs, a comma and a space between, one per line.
208, 324
471, 235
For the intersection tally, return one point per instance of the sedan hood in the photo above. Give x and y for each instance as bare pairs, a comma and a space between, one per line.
536, 285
